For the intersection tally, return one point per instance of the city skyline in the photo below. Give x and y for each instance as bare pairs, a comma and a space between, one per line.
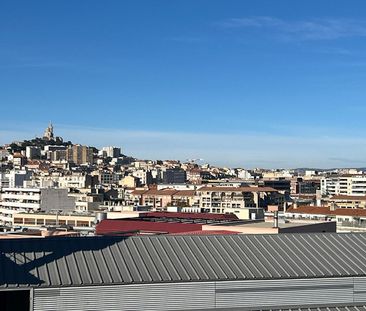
250, 84
140, 144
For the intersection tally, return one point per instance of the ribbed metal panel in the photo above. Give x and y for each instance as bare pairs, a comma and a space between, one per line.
155, 259
360, 289
283, 292
333, 307
231, 295
182, 296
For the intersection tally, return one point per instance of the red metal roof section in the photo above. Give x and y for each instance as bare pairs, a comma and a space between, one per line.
236, 189
325, 210
207, 232
120, 226
203, 216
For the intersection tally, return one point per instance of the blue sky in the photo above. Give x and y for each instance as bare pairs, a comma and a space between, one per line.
238, 83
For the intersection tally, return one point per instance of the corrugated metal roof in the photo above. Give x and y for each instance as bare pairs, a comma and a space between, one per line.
149, 259
310, 308
332, 308
207, 232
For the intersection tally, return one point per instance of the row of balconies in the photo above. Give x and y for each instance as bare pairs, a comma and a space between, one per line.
21, 201
20, 205
228, 205
31, 195
6, 218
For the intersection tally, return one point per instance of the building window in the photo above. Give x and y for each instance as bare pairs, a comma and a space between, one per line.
82, 223
71, 222
40, 221
29, 221
50, 222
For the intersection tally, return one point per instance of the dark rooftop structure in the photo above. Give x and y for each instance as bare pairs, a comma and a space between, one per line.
188, 272
132, 226
187, 217
118, 260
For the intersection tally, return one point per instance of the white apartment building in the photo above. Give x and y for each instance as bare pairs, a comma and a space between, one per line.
141, 175
344, 185
69, 181
111, 151
244, 174
4, 180
20, 200
33, 152
85, 202
15, 178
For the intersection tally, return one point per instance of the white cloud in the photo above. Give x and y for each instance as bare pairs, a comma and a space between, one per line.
314, 29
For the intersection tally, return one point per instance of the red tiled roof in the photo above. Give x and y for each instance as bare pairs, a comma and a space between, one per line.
325, 210
160, 192
237, 189
184, 193
138, 192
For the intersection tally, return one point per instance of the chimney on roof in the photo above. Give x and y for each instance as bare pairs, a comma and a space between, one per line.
333, 206
318, 198
275, 219
294, 205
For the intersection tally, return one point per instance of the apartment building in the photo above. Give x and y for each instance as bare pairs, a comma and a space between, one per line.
129, 181
17, 178
110, 151
86, 202
4, 180
223, 199
300, 185
33, 152
76, 181
107, 177
158, 199
219, 200
144, 176
185, 198
347, 201
344, 185
17, 200
347, 219
79, 154
174, 176
14, 178
19, 160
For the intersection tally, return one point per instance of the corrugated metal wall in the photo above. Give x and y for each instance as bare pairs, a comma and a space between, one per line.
203, 295
177, 296
283, 292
